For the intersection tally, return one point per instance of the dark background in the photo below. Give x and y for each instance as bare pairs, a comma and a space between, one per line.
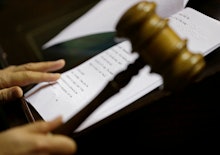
27, 24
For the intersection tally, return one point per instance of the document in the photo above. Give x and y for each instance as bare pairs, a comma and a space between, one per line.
79, 85
200, 30
103, 18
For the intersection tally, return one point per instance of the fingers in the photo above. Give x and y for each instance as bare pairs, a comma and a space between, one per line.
57, 144
9, 94
24, 78
30, 73
46, 66
34, 139
63, 144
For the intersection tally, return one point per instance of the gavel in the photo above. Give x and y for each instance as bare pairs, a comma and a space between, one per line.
158, 46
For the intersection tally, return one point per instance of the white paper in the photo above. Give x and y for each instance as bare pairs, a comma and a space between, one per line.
104, 16
201, 31
78, 86
185, 2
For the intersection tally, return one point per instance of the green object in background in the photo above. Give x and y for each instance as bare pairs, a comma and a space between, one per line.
80, 49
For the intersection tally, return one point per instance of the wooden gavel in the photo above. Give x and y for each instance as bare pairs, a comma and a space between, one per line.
158, 46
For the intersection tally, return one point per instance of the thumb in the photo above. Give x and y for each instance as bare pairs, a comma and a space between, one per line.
9, 94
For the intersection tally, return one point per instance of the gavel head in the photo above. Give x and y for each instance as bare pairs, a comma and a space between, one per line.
159, 46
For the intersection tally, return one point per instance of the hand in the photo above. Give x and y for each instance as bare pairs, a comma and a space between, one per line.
36, 139
14, 77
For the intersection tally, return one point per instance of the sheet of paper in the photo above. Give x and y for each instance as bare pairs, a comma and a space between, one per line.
185, 2
104, 16
201, 31
78, 86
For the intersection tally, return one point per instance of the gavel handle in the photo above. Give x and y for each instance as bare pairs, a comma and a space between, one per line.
113, 87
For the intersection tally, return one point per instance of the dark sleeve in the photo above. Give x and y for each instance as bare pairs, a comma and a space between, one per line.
3, 121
